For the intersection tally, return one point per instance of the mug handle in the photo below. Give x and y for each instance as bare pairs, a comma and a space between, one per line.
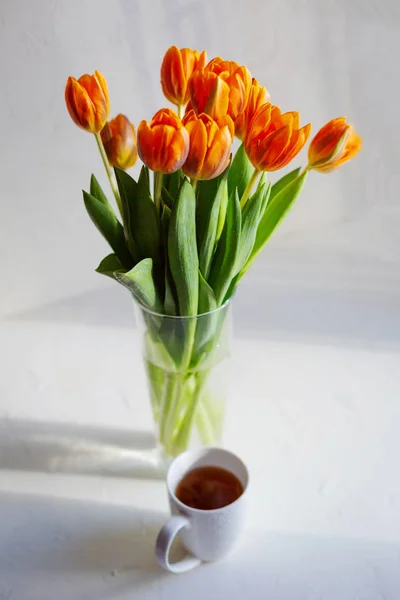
164, 542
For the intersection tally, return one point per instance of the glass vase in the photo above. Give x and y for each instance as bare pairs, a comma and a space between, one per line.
186, 361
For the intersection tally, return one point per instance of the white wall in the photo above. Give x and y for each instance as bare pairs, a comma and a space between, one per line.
323, 58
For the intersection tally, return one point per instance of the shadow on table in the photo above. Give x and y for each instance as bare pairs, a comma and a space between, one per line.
72, 549
64, 448
76, 548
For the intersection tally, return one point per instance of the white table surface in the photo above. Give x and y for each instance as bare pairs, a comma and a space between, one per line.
313, 410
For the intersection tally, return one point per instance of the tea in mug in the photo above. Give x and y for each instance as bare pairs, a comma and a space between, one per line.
208, 488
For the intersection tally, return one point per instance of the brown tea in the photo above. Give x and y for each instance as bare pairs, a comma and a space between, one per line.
208, 488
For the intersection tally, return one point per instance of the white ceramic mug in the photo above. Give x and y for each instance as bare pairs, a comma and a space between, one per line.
207, 534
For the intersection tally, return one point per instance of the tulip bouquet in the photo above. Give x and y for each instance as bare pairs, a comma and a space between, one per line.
186, 235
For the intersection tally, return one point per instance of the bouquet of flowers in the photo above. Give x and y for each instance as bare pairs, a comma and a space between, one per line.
198, 216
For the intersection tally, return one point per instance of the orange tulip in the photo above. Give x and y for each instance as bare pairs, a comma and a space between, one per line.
176, 70
334, 144
163, 144
257, 97
210, 145
87, 101
273, 139
119, 140
221, 88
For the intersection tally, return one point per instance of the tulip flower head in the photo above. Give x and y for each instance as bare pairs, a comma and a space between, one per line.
334, 144
176, 70
210, 145
119, 140
273, 139
220, 88
87, 101
163, 144
258, 96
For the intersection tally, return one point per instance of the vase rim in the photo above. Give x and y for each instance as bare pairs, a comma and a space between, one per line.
183, 317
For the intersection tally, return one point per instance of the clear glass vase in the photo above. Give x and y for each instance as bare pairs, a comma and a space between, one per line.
186, 361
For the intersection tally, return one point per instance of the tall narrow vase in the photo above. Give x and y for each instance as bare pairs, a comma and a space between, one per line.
186, 363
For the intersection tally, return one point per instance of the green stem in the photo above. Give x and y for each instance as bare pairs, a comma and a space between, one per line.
174, 388
182, 437
194, 184
205, 425
108, 171
249, 187
189, 343
158, 178
169, 401
179, 110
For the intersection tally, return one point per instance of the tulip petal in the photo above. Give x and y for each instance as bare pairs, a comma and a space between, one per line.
327, 141
259, 122
353, 146
198, 149
83, 108
145, 143
237, 95
212, 129
189, 58
218, 100
166, 116
295, 118
200, 87
177, 151
297, 142
218, 154
162, 139
165, 73
177, 76
103, 84
257, 97
227, 121
274, 146
97, 98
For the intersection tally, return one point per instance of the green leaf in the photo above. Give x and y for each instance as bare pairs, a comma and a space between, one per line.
144, 180
167, 198
250, 219
205, 325
109, 265
172, 183
205, 193
107, 223
182, 250
207, 217
165, 219
207, 301
140, 282
140, 216
263, 180
274, 213
240, 172
222, 215
123, 181
97, 192
223, 266
170, 303
283, 182
232, 288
